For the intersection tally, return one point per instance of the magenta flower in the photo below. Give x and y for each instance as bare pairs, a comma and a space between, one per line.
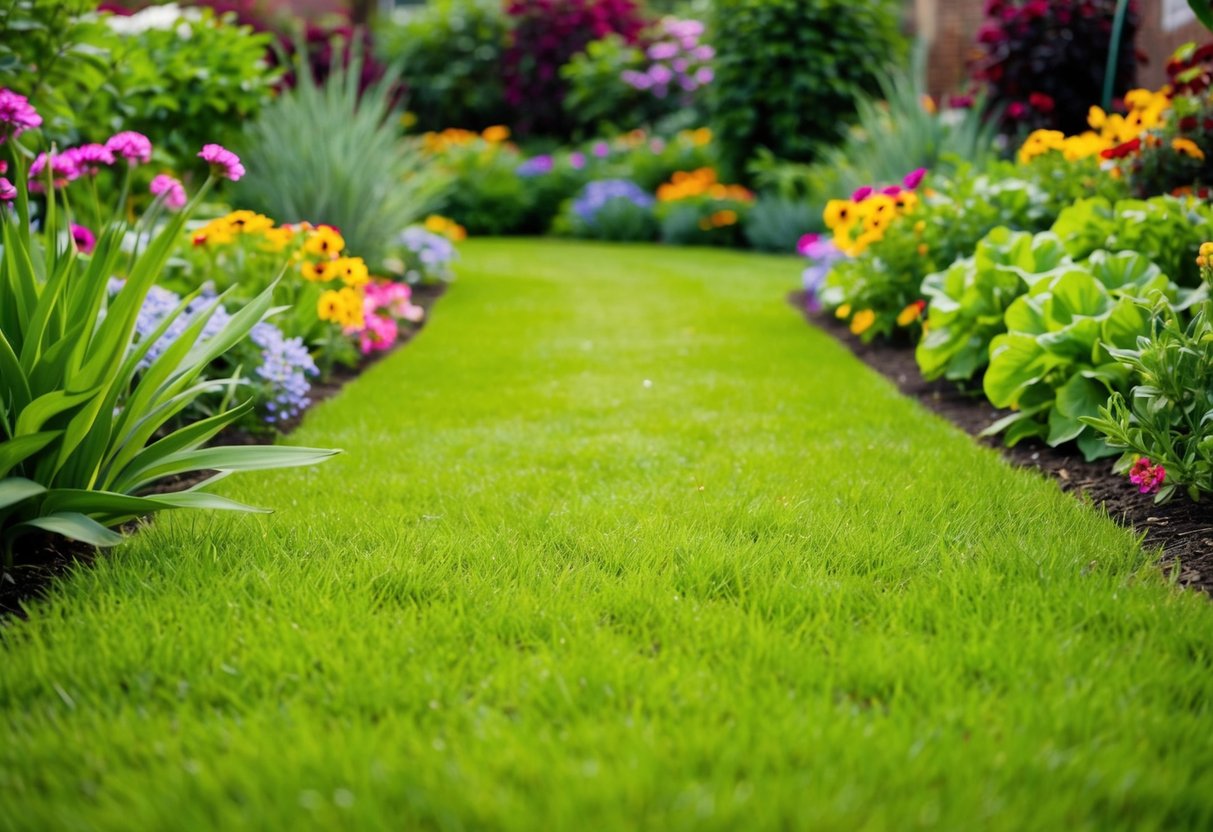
805, 244
1146, 476
84, 239
63, 170
862, 194
136, 148
16, 114
577, 160
601, 149
170, 190
892, 190
914, 178
223, 162
8, 191
88, 158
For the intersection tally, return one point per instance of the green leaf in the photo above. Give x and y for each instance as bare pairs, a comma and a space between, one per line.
72, 526
15, 489
15, 451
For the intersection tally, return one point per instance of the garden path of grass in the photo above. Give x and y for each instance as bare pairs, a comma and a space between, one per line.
619, 542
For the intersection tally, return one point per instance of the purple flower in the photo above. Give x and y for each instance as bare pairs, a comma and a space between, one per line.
822, 254
577, 160
660, 74
598, 194
136, 148
704, 76
223, 162
663, 51
892, 190
8, 192
862, 194
84, 239
636, 80
601, 150
63, 170
170, 190
537, 166
88, 158
913, 178
16, 114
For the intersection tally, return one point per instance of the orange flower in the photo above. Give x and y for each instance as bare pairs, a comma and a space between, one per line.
862, 321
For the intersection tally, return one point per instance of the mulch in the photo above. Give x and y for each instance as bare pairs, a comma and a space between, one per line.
1182, 528
45, 558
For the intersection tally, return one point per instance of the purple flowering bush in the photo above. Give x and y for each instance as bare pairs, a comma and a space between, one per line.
618, 210
87, 410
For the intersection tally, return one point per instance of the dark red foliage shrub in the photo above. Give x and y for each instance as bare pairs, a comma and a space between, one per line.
1044, 60
544, 35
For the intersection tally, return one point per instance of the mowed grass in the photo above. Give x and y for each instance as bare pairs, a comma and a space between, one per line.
619, 542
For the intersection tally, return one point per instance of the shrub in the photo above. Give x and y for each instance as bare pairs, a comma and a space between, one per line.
613, 209
544, 35
485, 194
696, 209
598, 101
789, 72
326, 154
1170, 419
1043, 61
449, 54
84, 419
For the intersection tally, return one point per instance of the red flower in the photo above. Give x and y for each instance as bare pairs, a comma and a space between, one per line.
1041, 103
1122, 150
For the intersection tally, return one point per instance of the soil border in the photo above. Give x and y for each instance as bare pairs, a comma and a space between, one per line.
1182, 529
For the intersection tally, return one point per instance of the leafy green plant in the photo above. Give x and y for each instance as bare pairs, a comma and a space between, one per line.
969, 299
1170, 420
827, 52
1053, 366
84, 428
597, 101
775, 223
449, 57
1165, 229
329, 155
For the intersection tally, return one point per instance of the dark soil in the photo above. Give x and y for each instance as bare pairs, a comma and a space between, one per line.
45, 558
1182, 528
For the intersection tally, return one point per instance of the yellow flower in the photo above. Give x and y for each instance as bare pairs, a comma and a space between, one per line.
450, 229
843, 311
352, 271
911, 313
277, 239
929, 105
496, 134
839, 213
331, 307
1206, 249
324, 242
408, 119
1096, 117
701, 136
920, 227
248, 222
318, 272
1188, 148
352, 298
906, 201
862, 321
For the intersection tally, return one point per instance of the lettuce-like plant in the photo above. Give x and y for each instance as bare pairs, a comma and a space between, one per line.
1053, 366
84, 420
969, 299
1170, 418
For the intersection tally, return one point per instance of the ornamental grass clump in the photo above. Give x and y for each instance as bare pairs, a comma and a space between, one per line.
86, 417
330, 154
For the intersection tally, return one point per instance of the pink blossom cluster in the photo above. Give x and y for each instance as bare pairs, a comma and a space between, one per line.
680, 62
16, 114
385, 304
170, 190
1147, 476
223, 162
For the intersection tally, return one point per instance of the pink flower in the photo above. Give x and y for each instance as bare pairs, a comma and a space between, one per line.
8, 192
806, 243
1147, 477
862, 194
88, 158
171, 190
223, 162
914, 178
16, 114
379, 333
136, 148
63, 170
84, 239
892, 190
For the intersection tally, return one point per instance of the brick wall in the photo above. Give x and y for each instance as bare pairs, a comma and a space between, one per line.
951, 28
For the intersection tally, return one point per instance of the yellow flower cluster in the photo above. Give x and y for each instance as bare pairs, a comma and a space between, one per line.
343, 307
448, 228
856, 225
699, 137
1147, 110
226, 229
701, 182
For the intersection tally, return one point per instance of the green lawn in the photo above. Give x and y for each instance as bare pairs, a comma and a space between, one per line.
619, 542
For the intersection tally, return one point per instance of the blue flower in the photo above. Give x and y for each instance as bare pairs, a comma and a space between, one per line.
596, 195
